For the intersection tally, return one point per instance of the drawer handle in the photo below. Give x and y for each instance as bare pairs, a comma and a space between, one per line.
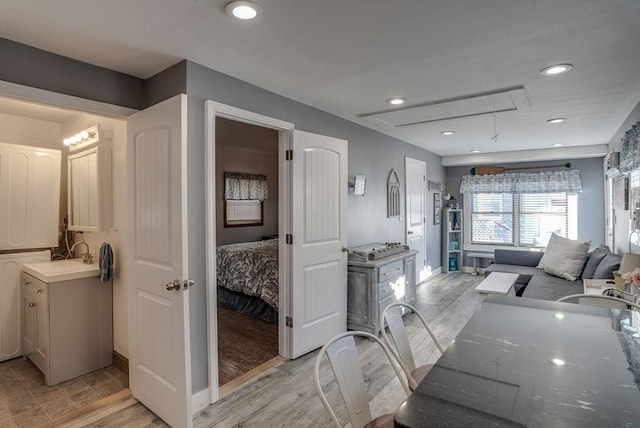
32, 305
39, 291
26, 283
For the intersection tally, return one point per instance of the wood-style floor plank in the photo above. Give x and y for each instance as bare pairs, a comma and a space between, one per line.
284, 396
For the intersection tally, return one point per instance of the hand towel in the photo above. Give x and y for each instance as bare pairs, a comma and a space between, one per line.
105, 262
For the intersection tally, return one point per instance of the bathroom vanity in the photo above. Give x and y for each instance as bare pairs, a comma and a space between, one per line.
66, 319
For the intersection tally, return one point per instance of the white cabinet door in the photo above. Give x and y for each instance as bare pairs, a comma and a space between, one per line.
319, 266
89, 189
29, 197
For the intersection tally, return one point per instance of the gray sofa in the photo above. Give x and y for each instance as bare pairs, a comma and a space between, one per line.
535, 283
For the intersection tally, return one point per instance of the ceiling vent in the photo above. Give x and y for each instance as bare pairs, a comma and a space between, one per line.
498, 101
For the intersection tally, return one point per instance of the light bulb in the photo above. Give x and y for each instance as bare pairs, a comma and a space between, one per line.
84, 135
66, 141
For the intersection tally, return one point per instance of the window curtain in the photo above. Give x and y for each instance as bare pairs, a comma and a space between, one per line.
523, 182
241, 186
630, 153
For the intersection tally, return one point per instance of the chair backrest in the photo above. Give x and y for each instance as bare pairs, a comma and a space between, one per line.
399, 345
599, 300
343, 358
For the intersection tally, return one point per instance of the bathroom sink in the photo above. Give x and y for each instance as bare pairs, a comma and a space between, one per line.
61, 270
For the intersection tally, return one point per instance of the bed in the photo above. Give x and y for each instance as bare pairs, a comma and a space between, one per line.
247, 275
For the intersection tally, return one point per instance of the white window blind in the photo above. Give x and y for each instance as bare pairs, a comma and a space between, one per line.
519, 219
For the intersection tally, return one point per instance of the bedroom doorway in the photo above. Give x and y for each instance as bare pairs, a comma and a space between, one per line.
246, 180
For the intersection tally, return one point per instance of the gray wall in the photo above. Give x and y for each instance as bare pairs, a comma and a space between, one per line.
590, 201
33, 67
370, 152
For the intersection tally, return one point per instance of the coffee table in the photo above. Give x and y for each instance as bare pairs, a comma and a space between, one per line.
498, 283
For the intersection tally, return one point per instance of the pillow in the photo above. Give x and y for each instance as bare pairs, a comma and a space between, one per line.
607, 266
593, 260
564, 257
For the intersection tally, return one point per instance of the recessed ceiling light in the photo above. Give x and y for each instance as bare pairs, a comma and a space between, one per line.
242, 9
556, 69
557, 120
559, 315
558, 362
475, 151
397, 101
448, 132
558, 145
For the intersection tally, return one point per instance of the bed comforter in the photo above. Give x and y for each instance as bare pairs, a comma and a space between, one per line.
250, 268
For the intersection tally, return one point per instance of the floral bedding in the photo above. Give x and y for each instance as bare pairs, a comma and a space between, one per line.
250, 268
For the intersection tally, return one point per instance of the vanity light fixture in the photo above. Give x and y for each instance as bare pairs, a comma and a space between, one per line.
557, 120
448, 132
87, 136
554, 70
396, 101
244, 10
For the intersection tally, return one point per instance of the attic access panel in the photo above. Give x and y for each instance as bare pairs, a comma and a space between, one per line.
499, 101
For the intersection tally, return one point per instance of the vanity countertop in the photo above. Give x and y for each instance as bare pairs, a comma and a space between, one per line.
61, 270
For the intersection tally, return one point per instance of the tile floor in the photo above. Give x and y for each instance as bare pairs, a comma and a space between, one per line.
25, 400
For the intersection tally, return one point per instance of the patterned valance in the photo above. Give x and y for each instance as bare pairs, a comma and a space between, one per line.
241, 186
630, 153
523, 182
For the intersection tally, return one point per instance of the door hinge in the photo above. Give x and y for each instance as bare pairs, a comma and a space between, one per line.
289, 239
289, 155
289, 322
424, 178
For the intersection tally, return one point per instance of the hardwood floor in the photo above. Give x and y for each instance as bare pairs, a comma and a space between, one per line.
244, 343
284, 396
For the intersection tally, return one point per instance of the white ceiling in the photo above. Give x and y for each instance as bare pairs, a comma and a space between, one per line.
348, 56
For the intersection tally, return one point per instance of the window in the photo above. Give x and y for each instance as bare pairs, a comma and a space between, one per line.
521, 219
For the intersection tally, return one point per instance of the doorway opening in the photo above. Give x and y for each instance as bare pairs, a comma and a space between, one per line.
247, 270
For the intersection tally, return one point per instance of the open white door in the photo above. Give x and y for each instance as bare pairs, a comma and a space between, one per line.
159, 359
415, 177
319, 225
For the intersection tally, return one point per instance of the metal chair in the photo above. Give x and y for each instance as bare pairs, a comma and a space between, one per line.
399, 345
599, 300
343, 359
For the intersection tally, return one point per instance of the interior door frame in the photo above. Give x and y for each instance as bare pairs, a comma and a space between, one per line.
423, 164
213, 110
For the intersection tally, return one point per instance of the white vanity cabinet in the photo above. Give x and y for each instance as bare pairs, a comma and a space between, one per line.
29, 196
66, 326
89, 189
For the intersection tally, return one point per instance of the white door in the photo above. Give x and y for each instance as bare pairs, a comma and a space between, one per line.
415, 179
319, 225
159, 360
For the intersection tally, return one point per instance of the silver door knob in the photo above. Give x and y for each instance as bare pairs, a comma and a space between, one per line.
345, 249
174, 285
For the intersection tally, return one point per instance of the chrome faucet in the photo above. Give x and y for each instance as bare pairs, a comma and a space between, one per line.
86, 257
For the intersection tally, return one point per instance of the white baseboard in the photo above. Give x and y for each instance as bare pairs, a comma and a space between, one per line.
200, 400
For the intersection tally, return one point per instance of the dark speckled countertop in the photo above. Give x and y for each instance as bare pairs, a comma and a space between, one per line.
527, 362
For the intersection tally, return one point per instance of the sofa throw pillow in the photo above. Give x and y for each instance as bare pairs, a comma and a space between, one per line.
607, 266
564, 257
593, 260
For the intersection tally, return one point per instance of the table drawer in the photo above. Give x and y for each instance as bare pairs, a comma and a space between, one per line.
34, 286
384, 290
391, 271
